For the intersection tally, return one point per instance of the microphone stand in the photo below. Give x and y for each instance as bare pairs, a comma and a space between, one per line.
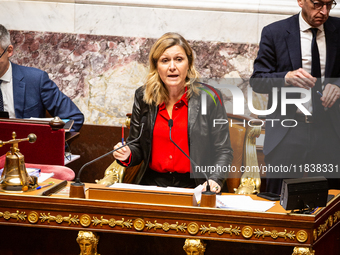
208, 198
77, 188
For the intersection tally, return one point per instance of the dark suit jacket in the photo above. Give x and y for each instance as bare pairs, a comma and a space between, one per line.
208, 145
279, 53
34, 93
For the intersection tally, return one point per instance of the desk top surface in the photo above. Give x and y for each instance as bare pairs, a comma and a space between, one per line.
277, 209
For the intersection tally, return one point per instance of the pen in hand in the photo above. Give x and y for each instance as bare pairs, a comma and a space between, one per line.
44, 186
122, 134
320, 94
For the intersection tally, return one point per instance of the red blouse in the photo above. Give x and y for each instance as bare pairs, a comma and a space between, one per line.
166, 157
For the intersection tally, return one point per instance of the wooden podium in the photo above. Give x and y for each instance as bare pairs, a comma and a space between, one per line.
33, 224
141, 196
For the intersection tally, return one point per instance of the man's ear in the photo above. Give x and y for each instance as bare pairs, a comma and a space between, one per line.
300, 2
10, 50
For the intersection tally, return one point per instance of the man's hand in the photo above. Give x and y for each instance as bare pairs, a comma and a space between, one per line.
330, 94
300, 78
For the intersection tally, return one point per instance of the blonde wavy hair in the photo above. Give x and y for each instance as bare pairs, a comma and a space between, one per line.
155, 90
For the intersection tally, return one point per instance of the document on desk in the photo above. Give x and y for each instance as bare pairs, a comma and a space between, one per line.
36, 172
44, 176
243, 203
197, 192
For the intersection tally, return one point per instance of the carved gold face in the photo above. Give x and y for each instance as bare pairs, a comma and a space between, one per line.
85, 247
87, 241
192, 251
194, 247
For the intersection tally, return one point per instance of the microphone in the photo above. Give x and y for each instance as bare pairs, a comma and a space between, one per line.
208, 192
78, 183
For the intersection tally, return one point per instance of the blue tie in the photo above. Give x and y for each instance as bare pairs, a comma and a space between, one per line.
1, 99
316, 72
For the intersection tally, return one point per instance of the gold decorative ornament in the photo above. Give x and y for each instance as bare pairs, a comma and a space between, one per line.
330, 221
247, 186
85, 220
336, 216
7, 215
303, 251
18, 216
113, 174
59, 219
220, 230
193, 228
323, 228
247, 232
139, 224
155, 225
250, 182
315, 234
112, 222
166, 226
33, 217
274, 234
88, 242
302, 236
194, 247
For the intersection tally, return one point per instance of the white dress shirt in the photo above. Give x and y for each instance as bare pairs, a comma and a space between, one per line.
306, 51
7, 92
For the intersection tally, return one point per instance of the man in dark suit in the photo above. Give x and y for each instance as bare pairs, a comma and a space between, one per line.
285, 60
28, 92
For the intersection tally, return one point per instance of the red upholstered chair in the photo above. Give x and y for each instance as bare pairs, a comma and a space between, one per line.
60, 172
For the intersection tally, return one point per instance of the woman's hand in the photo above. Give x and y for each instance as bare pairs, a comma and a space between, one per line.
123, 153
214, 187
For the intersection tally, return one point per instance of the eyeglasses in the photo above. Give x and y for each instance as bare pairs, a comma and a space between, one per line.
319, 5
4, 52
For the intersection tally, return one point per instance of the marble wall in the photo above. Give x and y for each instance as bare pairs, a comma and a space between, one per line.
97, 51
101, 73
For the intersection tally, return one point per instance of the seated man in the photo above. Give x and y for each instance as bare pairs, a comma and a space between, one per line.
28, 92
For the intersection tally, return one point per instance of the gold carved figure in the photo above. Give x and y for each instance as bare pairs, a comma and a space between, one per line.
250, 182
303, 251
114, 173
247, 186
88, 242
194, 247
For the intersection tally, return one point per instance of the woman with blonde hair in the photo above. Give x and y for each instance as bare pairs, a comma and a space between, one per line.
170, 103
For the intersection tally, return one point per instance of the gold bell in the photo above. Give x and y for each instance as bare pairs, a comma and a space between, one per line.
14, 177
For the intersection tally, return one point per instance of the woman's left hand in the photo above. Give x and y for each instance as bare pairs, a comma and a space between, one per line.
214, 187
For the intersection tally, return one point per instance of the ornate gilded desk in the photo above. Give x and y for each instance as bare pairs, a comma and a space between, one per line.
32, 224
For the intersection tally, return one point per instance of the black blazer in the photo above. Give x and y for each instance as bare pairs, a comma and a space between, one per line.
279, 53
200, 130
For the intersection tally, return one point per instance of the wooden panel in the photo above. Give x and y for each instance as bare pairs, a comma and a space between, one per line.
49, 147
136, 196
128, 222
92, 142
35, 241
